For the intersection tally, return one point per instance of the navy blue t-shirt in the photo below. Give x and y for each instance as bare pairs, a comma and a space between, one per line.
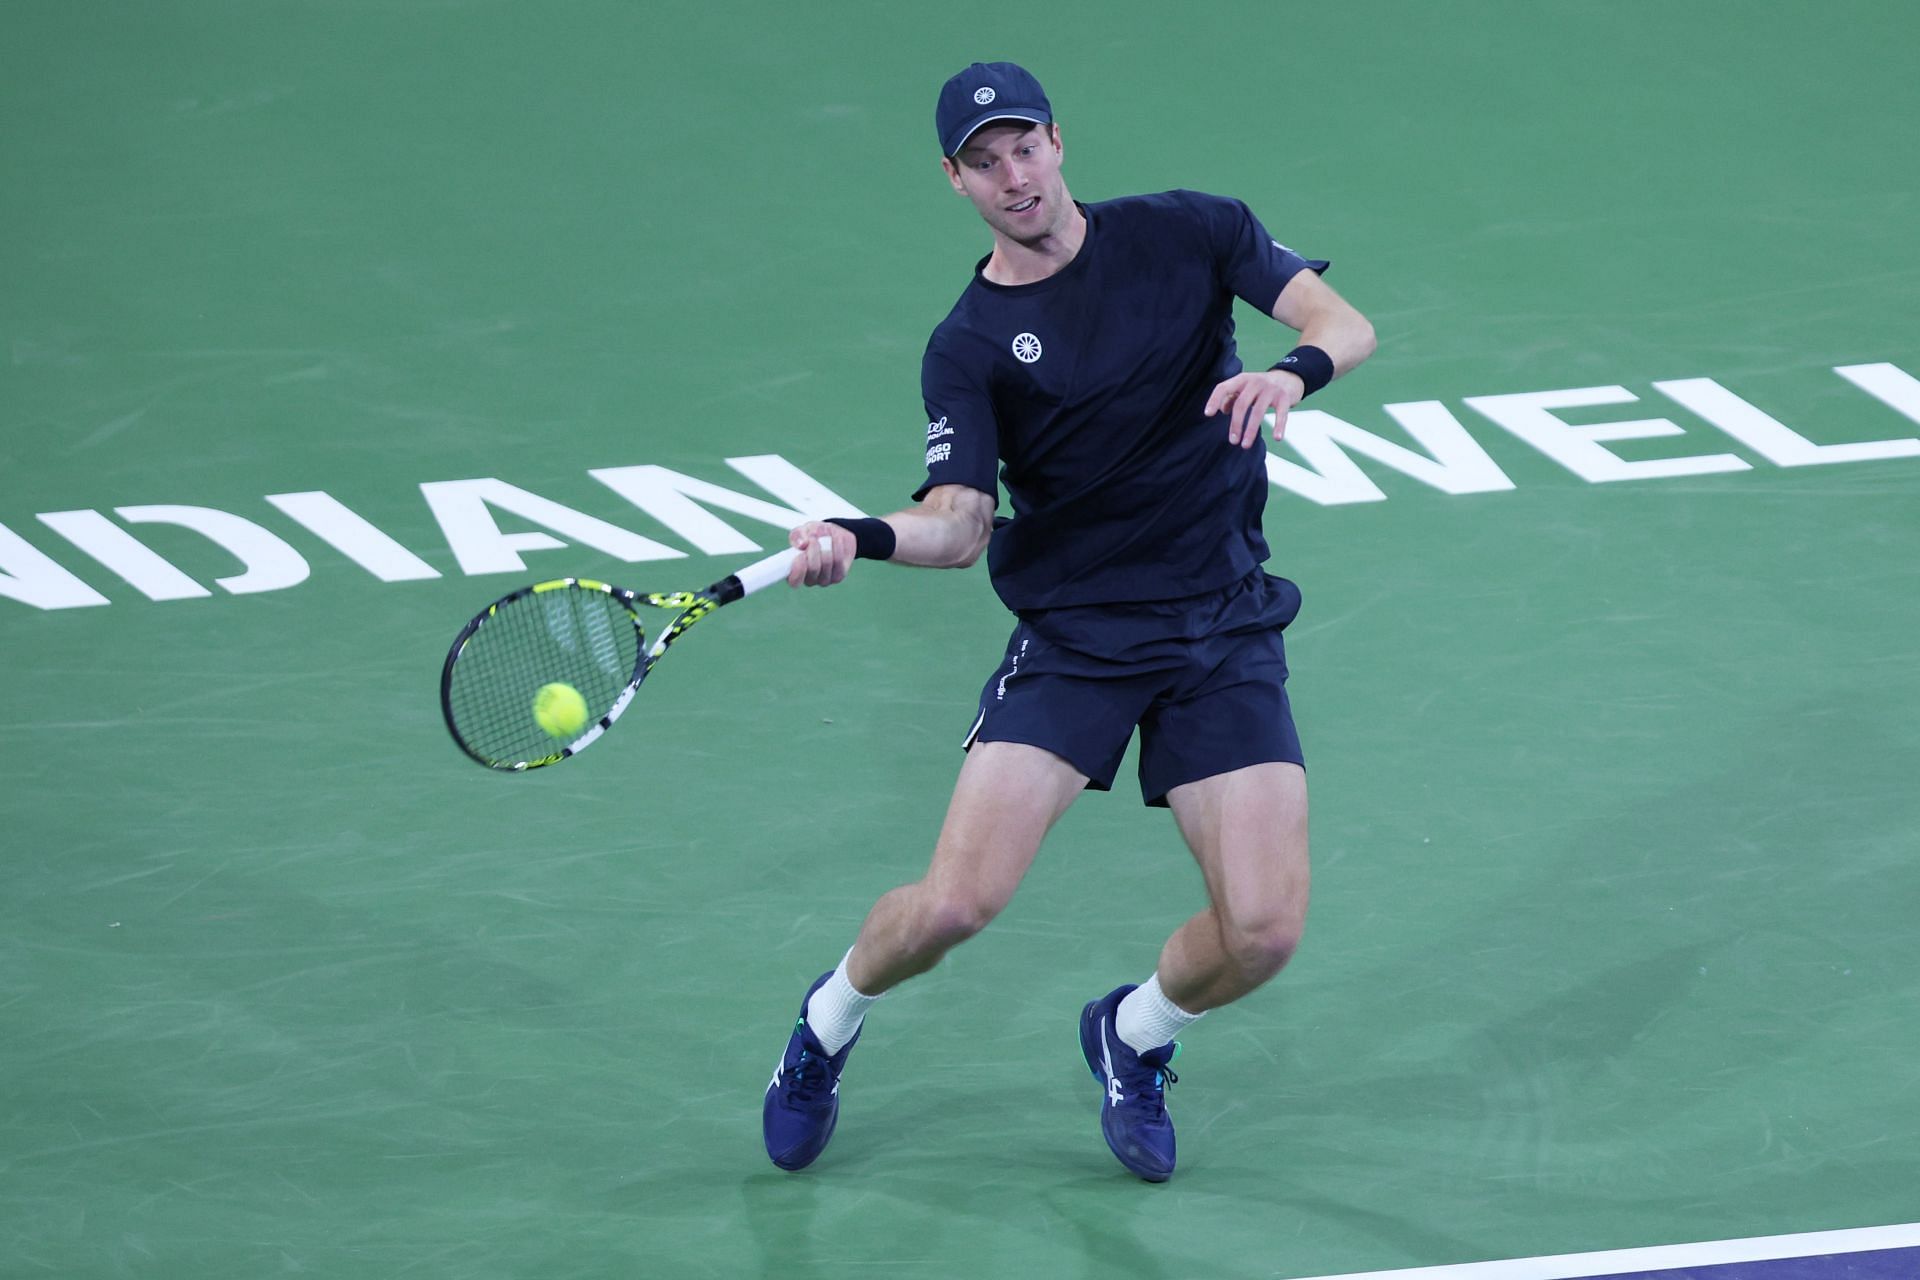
1086, 391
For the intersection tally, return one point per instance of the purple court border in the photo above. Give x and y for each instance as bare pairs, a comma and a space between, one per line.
1867, 1253
1876, 1264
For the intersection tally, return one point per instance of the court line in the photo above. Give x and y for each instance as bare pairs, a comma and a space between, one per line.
1574, 1266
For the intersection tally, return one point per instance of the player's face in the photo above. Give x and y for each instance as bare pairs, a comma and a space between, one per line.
1011, 172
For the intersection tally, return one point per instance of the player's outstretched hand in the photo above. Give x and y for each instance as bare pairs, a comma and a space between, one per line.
826, 553
1251, 396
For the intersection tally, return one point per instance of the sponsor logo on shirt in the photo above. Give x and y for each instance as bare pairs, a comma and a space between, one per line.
937, 429
1026, 348
939, 453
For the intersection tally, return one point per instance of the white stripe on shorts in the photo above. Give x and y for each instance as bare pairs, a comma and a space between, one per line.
966, 743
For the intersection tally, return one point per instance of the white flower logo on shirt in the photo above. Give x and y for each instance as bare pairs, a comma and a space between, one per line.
1026, 348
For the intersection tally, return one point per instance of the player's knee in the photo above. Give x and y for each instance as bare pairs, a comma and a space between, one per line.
951, 918
1262, 948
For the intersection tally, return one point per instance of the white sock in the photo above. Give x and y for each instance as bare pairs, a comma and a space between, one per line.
834, 1011
1146, 1019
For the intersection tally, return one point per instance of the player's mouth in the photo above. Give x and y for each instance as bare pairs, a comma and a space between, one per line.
1025, 206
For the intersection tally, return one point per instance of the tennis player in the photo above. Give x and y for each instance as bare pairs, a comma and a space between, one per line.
1090, 366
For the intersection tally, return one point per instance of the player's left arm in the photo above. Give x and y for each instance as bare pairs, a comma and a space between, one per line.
1326, 321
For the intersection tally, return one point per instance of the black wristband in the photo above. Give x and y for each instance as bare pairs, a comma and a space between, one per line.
873, 539
1311, 365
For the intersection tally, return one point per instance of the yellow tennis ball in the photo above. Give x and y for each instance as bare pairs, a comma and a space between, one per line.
560, 710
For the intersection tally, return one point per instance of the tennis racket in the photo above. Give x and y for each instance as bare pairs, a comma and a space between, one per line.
572, 631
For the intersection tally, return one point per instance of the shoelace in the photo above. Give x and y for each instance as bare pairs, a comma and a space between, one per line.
1156, 1097
812, 1076
1153, 1098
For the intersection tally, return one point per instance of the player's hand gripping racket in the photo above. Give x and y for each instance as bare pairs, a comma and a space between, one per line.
575, 633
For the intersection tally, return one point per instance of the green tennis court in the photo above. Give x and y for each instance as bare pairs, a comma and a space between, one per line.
324, 324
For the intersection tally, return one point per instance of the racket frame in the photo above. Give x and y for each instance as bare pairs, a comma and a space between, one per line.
692, 606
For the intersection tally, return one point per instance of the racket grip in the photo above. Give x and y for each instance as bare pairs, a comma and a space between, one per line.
764, 573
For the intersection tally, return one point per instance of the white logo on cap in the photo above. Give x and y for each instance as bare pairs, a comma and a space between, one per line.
983, 95
1026, 348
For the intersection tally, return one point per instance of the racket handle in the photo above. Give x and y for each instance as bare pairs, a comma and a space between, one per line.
761, 573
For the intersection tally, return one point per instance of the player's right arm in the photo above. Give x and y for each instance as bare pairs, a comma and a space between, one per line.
946, 529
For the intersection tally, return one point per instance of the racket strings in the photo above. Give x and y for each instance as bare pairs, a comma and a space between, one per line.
570, 635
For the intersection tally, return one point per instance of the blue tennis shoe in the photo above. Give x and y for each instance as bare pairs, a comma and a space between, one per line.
1133, 1105
803, 1101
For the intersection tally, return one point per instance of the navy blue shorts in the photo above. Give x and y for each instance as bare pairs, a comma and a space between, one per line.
1204, 680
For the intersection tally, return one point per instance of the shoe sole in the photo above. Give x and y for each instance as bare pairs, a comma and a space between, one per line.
795, 1168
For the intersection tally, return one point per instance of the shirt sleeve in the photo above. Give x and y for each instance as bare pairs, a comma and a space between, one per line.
1250, 262
963, 440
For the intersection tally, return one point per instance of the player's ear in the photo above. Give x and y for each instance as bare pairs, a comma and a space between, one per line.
953, 174
1055, 130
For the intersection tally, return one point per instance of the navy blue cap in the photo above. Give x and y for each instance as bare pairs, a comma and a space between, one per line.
984, 92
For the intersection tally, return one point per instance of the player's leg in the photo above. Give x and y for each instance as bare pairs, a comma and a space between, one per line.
1007, 796
1248, 832
1225, 757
